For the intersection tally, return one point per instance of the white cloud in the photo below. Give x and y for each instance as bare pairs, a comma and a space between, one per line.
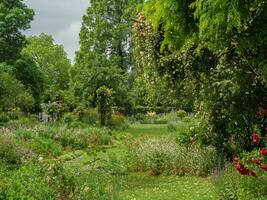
59, 18
69, 37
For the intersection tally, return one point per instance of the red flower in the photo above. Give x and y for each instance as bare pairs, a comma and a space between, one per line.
263, 151
242, 170
255, 138
258, 161
264, 168
262, 112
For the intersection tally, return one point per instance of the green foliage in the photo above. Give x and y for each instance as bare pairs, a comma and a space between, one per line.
212, 55
158, 156
13, 94
181, 114
90, 116
105, 56
4, 118
104, 100
118, 121
51, 180
15, 114
11, 153
47, 147
52, 61
31, 76
66, 136
15, 18
232, 186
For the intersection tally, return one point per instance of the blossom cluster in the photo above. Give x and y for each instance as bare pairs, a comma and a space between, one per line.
255, 138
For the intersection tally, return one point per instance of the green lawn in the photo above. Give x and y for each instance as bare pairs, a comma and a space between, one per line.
143, 187
139, 186
138, 130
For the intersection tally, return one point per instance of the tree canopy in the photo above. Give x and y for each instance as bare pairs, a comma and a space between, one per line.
15, 17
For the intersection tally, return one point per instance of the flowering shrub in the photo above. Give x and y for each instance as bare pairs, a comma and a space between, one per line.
260, 162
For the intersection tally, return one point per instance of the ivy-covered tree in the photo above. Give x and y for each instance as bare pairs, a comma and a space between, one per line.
15, 17
215, 50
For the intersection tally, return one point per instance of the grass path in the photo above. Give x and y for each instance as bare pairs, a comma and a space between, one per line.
139, 186
152, 130
143, 187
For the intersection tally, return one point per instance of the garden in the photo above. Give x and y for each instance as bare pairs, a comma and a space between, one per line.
164, 100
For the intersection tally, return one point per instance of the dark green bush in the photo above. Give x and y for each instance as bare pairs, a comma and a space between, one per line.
4, 118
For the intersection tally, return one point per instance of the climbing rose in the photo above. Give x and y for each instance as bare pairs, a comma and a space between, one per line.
241, 169
258, 161
255, 138
262, 112
264, 168
263, 151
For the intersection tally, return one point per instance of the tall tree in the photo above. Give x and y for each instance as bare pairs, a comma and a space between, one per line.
216, 48
105, 55
15, 17
52, 61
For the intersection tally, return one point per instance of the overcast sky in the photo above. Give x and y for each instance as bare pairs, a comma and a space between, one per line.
59, 18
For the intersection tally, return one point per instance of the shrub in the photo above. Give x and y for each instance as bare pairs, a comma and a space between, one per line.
172, 126
15, 114
11, 153
118, 121
231, 185
193, 131
140, 116
90, 116
50, 180
38, 181
181, 114
46, 146
158, 156
4, 118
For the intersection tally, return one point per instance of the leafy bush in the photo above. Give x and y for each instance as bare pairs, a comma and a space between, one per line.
46, 146
11, 153
181, 114
193, 130
172, 126
4, 118
140, 116
66, 136
158, 156
232, 186
118, 121
15, 114
50, 180
90, 116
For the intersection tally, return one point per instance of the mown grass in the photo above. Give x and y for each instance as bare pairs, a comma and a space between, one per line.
143, 187
153, 130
